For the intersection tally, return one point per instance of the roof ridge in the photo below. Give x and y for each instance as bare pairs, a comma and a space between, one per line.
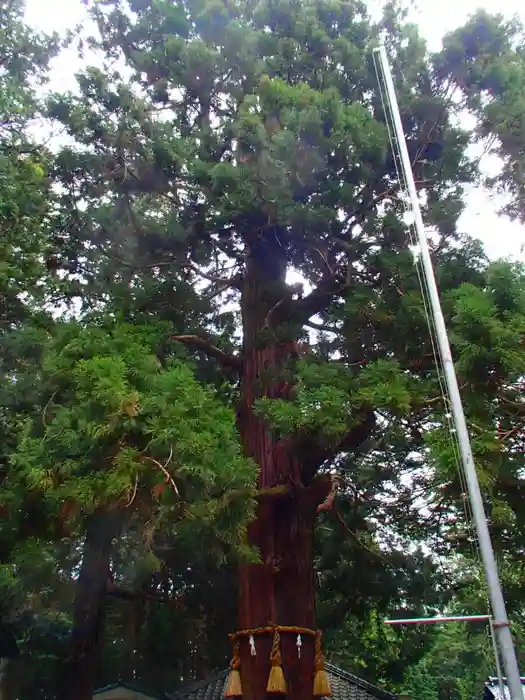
197, 685
365, 685
132, 685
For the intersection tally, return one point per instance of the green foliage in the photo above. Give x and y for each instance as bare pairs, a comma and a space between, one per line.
24, 188
455, 668
25, 202
329, 400
488, 324
119, 426
485, 60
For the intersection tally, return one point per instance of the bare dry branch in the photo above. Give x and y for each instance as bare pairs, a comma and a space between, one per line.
167, 475
329, 501
133, 493
46, 409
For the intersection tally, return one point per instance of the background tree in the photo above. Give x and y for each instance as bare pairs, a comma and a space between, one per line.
123, 435
24, 206
484, 62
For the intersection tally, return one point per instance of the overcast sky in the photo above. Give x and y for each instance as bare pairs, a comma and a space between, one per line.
500, 236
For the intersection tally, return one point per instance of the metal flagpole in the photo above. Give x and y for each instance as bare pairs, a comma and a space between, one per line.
501, 622
496, 658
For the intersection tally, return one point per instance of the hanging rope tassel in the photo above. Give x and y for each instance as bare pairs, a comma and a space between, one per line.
321, 682
276, 681
233, 685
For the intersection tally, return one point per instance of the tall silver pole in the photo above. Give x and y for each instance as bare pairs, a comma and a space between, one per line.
501, 623
496, 658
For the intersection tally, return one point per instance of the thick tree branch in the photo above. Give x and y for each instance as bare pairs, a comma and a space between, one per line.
332, 283
357, 215
329, 505
298, 311
322, 327
235, 281
519, 406
318, 299
314, 455
216, 353
261, 494
329, 501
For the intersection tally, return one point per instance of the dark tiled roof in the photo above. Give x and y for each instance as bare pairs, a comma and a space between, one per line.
130, 686
210, 689
345, 686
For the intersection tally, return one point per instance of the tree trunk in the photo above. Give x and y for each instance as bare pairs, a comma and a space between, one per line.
10, 671
10, 663
135, 614
281, 588
78, 675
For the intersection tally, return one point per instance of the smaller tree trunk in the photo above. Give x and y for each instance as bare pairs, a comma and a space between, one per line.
9, 678
134, 612
10, 664
78, 674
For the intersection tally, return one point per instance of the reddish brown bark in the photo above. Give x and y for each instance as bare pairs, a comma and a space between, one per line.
281, 588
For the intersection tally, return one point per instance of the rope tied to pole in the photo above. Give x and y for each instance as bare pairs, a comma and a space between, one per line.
233, 684
276, 680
